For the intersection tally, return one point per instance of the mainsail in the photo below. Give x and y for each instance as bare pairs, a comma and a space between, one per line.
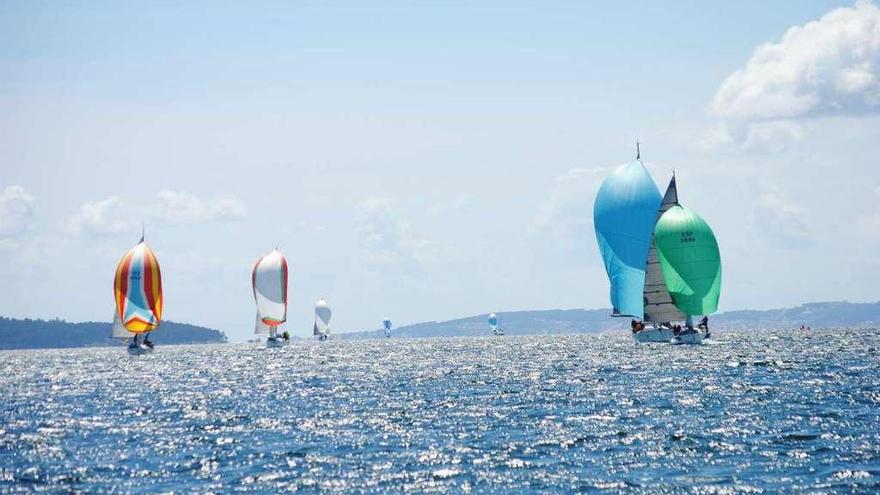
624, 215
119, 331
259, 326
386, 324
659, 307
137, 288
322, 318
269, 280
690, 261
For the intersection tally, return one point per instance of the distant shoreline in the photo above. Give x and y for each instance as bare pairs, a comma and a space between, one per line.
24, 334
576, 321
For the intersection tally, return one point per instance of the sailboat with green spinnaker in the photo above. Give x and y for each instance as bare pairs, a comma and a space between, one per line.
689, 258
661, 258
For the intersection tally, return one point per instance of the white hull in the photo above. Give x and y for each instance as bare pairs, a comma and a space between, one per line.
651, 334
688, 338
499, 332
273, 343
141, 349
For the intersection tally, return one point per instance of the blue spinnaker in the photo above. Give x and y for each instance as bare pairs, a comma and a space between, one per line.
624, 215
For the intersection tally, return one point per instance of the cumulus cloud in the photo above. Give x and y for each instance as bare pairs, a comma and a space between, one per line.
781, 220
567, 213
570, 193
102, 217
178, 207
16, 211
111, 215
826, 67
386, 238
454, 204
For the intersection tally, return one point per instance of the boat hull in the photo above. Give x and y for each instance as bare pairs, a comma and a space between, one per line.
275, 343
141, 349
653, 335
688, 338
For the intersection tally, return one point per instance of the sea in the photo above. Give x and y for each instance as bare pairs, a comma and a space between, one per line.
751, 411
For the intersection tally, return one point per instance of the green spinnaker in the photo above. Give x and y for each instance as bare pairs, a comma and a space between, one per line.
689, 259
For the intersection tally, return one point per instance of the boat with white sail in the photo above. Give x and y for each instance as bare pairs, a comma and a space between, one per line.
137, 290
269, 281
386, 326
321, 329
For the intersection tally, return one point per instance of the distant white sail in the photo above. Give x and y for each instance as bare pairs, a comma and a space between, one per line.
658, 303
259, 326
119, 331
322, 318
269, 280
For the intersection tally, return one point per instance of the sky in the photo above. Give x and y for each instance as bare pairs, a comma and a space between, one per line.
427, 160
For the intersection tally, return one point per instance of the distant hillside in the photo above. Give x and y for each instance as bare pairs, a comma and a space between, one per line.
815, 315
822, 314
549, 321
42, 334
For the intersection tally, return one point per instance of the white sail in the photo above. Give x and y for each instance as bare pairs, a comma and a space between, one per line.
658, 303
119, 331
322, 318
259, 326
269, 279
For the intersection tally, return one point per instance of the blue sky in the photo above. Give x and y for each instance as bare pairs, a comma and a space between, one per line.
426, 160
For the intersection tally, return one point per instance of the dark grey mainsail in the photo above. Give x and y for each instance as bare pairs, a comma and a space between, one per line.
658, 303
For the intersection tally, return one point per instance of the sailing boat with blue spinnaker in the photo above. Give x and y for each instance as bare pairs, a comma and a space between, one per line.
654, 280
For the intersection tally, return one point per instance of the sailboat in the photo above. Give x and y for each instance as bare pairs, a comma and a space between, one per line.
321, 330
680, 263
691, 264
137, 290
269, 280
386, 324
493, 325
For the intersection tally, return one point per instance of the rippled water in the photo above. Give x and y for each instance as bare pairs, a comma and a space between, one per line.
752, 412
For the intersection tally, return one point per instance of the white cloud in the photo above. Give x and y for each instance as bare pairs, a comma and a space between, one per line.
570, 193
178, 207
386, 238
781, 219
826, 67
112, 216
773, 137
102, 217
754, 137
16, 211
456, 203
567, 213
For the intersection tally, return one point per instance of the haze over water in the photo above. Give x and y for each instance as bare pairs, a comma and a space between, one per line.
752, 412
